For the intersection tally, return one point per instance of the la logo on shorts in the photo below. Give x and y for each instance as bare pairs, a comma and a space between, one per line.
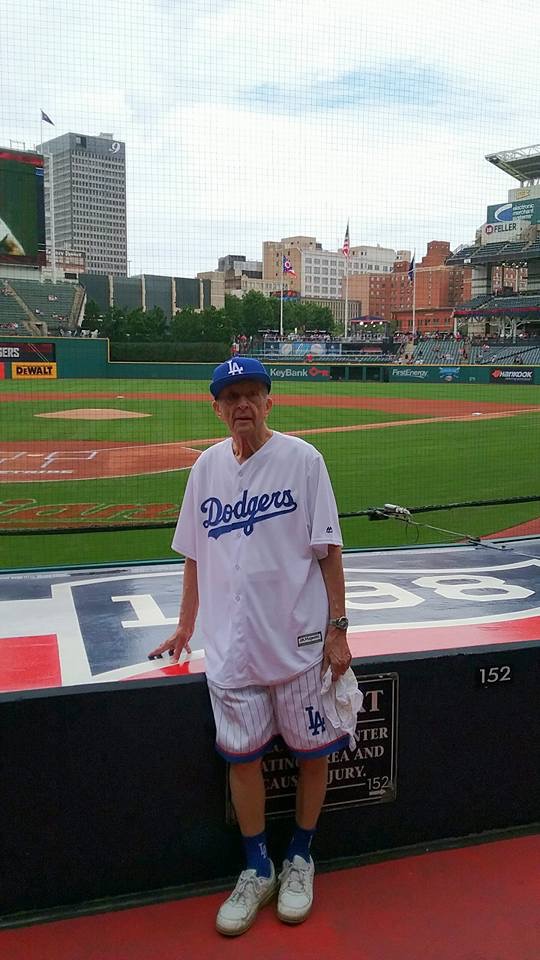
316, 723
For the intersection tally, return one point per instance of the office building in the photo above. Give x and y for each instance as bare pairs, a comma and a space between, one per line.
88, 180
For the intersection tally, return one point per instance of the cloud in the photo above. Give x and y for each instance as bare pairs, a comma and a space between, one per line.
247, 120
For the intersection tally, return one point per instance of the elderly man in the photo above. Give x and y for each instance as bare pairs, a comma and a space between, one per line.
259, 529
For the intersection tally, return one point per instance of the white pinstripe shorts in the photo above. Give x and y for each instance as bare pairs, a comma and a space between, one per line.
249, 720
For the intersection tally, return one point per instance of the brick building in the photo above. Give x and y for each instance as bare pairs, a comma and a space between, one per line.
439, 288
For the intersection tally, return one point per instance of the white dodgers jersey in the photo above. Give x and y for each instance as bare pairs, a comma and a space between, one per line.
256, 531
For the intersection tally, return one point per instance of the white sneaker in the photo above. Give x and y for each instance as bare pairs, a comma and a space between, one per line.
251, 892
296, 890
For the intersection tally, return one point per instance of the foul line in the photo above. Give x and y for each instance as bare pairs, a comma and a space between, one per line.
388, 423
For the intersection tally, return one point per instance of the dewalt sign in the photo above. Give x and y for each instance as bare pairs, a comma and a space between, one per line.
33, 371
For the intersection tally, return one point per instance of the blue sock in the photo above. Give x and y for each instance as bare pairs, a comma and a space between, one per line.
300, 843
257, 855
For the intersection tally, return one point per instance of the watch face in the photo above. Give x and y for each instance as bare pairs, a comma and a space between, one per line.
342, 623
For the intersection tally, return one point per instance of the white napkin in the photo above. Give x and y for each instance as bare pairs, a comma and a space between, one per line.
342, 700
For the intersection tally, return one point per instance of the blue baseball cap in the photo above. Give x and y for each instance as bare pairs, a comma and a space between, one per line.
235, 369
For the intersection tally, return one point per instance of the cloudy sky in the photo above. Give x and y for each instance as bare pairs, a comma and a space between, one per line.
247, 120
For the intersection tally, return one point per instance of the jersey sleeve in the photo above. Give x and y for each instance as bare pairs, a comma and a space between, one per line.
323, 514
185, 535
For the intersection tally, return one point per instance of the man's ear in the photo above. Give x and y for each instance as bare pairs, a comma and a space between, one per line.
215, 408
269, 403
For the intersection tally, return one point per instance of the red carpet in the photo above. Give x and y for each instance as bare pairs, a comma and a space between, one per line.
475, 903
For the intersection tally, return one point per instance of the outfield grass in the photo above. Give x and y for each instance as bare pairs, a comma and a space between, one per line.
413, 465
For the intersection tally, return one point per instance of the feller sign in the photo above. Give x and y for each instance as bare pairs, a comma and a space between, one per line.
33, 371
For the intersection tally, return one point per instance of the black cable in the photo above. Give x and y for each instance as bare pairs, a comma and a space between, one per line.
169, 524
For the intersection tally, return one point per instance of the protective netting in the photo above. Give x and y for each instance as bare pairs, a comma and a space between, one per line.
304, 182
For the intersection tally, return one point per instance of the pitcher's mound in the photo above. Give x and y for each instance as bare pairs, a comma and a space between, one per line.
92, 413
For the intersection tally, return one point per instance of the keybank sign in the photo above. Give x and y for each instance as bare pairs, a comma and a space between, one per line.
288, 373
300, 373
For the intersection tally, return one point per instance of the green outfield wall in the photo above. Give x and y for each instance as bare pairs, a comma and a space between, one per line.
46, 358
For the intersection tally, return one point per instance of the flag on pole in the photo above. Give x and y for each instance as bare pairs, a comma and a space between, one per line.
45, 117
287, 267
411, 270
346, 244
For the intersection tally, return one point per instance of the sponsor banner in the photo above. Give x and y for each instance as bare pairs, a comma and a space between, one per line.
449, 374
300, 373
511, 375
525, 209
409, 373
499, 232
303, 348
365, 774
31, 352
33, 371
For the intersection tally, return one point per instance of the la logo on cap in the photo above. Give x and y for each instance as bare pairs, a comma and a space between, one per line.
234, 367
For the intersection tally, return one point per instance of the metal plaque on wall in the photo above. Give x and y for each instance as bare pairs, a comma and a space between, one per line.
365, 774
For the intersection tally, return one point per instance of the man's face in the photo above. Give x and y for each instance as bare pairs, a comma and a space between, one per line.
243, 406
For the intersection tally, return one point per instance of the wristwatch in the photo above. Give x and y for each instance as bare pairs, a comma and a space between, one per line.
341, 623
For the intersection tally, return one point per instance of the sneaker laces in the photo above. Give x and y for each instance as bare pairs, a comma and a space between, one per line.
245, 889
296, 878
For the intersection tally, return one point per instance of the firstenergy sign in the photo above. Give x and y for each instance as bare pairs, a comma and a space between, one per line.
33, 371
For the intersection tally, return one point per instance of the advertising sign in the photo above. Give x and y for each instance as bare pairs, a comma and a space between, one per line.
450, 374
300, 372
526, 209
22, 208
500, 232
365, 774
409, 373
33, 371
303, 348
511, 375
35, 352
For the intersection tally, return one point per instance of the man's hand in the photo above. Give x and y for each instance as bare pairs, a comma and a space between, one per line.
336, 654
174, 644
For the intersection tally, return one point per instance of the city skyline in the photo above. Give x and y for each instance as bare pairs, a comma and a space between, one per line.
235, 132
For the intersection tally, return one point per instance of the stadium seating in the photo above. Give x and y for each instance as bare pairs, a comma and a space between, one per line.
475, 302
12, 316
52, 303
437, 351
511, 353
326, 357
496, 251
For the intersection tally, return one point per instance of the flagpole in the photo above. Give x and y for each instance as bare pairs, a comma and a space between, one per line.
52, 231
414, 299
346, 325
281, 297
51, 217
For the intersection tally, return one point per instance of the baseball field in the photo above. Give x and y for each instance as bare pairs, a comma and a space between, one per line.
75, 453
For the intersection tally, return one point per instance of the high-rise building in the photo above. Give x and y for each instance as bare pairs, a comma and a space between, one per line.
88, 176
